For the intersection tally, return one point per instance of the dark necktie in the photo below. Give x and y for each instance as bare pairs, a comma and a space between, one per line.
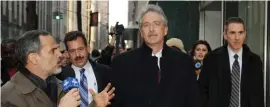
235, 80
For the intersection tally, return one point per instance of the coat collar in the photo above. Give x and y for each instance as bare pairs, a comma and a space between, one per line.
23, 84
26, 86
147, 51
224, 49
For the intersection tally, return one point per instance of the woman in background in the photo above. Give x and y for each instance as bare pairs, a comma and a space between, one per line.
199, 50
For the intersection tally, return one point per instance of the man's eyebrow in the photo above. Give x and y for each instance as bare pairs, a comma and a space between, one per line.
55, 47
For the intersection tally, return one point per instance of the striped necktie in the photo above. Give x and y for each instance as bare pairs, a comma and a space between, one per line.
83, 89
235, 80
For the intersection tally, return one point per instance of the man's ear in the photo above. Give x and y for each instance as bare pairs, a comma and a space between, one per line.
225, 35
165, 30
141, 33
32, 58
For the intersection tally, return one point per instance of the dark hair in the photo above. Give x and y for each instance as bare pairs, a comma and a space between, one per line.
73, 35
28, 43
234, 20
192, 52
95, 53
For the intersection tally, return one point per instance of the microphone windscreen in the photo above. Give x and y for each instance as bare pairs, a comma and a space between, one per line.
197, 64
70, 83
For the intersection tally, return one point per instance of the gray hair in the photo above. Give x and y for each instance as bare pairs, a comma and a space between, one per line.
153, 8
28, 43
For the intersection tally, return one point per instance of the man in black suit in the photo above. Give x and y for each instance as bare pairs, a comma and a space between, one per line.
154, 75
89, 74
232, 75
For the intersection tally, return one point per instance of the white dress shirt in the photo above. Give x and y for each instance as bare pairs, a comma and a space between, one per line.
90, 76
232, 59
158, 55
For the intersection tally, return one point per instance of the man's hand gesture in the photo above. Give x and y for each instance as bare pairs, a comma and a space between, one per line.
103, 98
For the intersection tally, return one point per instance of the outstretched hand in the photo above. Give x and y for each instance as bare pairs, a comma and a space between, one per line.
103, 98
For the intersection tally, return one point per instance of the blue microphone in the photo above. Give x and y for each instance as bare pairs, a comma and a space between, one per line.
198, 64
70, 83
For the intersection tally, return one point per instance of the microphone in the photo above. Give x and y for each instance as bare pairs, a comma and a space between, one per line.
70, 83
197, 64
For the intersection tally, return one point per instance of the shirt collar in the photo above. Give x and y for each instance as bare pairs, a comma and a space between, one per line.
159, 54
239, 53
86, 66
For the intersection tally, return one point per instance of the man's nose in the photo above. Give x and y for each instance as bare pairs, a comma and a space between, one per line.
77, 53
151, 27
237, 36
59, 54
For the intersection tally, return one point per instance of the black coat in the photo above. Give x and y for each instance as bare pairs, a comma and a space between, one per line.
215, 79
102, 73
106, 55
4, 75
135, 76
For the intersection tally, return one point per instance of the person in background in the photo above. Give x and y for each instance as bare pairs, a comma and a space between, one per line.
65, 58
8, 62
109, 51
95, 55
232, 75
176, 44
199, 49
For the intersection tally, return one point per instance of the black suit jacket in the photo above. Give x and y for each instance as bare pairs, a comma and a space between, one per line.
135, 76
215, 79
102, 73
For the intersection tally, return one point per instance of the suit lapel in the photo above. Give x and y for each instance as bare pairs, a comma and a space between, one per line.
245, 71
97, 75
245, 62
72, 74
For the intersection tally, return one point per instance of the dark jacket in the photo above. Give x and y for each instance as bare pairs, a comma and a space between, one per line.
215, 79
102, 73
135, 76
4, 75
106, 55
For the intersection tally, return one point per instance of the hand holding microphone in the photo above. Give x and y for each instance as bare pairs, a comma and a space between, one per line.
72, 97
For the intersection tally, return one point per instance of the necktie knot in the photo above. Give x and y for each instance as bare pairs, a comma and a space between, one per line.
236, 57
82, 70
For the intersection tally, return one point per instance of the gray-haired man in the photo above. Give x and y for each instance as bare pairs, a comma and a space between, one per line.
154, 75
